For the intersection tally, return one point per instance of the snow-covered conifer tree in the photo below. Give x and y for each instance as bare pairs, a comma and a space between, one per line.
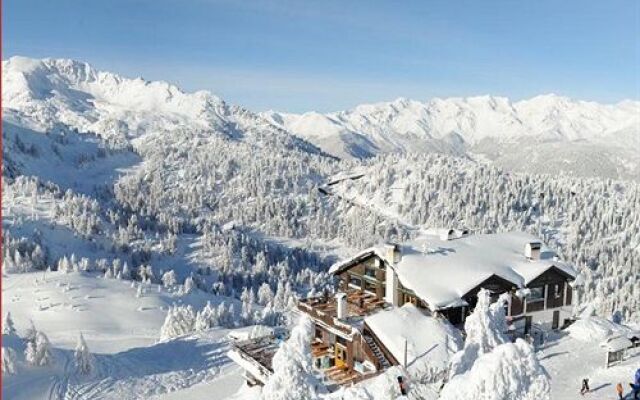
510, 371
38, 258
126, 273
169, 279
485, 329
188, 285
180, 320
38, 352
84, 359
206, 318
9, 361
292, 377
247, 306
8, 328
64, 265
84, 264
265, 294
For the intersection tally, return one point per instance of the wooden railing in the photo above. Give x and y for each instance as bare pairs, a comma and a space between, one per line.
326, 317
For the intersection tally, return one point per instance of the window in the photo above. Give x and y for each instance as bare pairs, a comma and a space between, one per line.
370, 272
556, 291
555, 295
355, 281
407, 298
535, 294
370, 287
535, 299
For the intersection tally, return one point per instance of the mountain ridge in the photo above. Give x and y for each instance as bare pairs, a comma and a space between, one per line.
565, 131
569, 134
42, 94
440, 116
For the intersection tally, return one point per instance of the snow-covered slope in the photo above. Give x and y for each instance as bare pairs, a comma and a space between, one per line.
104, 172
121, 331
565, 132
49, 93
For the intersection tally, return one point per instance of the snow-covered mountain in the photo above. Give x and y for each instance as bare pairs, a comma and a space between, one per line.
566, 133
44, 94
128, 189
126, 203
545, 134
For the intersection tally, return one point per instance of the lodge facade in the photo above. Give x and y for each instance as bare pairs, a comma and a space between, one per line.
551, 292
373, 280
434, 278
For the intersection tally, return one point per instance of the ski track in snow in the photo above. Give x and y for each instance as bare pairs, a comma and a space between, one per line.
128, 364
137, 373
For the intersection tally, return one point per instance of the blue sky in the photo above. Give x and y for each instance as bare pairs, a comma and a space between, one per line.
329, 55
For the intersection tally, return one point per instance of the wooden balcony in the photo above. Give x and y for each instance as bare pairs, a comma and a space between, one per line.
257, 354
359, 304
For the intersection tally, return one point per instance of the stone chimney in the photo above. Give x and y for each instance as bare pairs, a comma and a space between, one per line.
341, 305
393, 256
393, 253
532, 250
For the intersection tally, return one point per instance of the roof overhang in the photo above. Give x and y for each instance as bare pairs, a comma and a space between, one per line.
554, 268
344, 265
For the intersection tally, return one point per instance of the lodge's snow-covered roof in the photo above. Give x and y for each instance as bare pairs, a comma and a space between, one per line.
356, 258
442, 271
427, 337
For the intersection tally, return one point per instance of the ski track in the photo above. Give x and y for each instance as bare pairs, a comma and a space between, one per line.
131, 375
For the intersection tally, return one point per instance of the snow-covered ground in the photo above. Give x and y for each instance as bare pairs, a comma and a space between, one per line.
569, 360
122, 332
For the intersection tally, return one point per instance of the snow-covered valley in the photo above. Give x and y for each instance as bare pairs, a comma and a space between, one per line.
155, 222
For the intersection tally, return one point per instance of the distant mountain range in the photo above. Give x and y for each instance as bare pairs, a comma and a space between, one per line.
545, 134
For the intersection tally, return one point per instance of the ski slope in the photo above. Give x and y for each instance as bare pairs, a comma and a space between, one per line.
122, 332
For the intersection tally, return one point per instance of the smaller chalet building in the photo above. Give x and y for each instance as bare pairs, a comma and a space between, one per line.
391, 301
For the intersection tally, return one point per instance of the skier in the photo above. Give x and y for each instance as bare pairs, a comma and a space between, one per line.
635, 387
585, 386
402, 385
620, 391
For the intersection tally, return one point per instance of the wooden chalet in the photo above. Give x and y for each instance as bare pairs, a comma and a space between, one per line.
405, 291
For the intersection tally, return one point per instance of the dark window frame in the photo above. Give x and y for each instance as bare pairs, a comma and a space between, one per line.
531, 299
